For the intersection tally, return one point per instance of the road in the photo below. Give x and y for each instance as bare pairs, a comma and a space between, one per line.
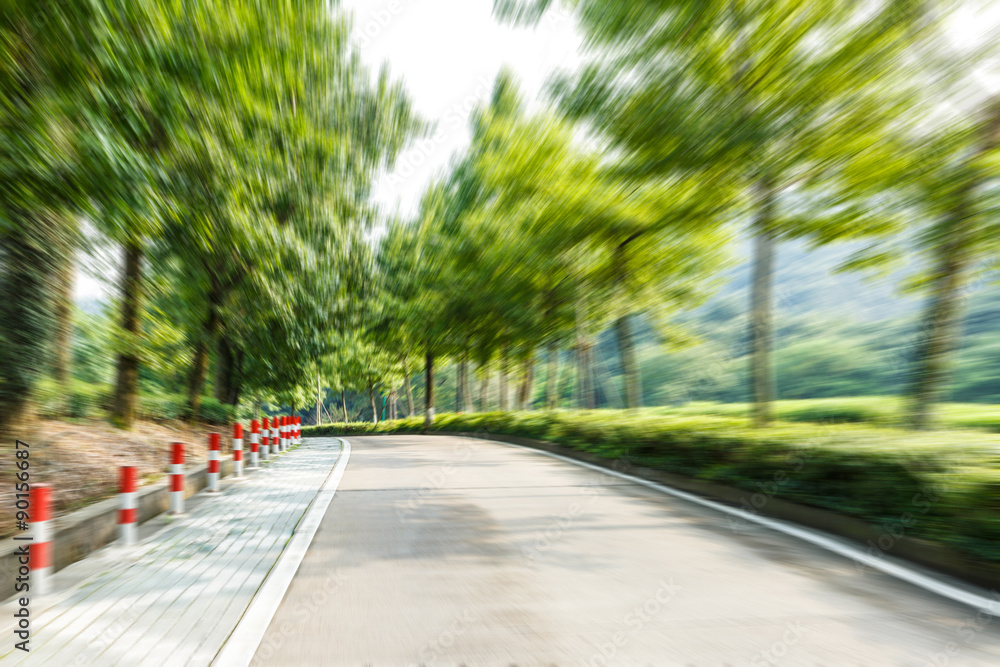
451, 551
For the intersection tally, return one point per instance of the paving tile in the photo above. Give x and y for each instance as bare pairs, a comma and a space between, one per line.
174, 598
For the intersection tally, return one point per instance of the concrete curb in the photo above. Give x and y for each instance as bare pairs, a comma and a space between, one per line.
79, 533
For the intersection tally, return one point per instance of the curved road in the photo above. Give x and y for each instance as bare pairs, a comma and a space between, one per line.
451, 551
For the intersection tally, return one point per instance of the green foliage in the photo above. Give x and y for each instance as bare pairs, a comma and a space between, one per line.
875, 410
162, 407
214, 411
93, 362
85, 400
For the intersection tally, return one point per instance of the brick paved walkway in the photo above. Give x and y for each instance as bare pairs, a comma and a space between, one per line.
175, 598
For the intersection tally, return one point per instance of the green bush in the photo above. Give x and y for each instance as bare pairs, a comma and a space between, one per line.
84, 400
876, 410
949, 481
162, 407
838, 413
214, 412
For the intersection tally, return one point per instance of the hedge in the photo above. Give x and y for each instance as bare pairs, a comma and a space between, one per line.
948, 481
873, 410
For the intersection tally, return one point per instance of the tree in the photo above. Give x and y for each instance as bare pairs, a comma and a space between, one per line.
793, 103
958, 191
44, 66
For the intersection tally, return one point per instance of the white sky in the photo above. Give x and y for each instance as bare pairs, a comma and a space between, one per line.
449, 52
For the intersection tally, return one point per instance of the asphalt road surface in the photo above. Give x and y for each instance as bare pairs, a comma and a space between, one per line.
451, 551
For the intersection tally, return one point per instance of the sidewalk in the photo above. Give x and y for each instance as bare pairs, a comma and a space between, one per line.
175, 598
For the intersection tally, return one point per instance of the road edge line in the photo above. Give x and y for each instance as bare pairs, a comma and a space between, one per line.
891, 568
242, 644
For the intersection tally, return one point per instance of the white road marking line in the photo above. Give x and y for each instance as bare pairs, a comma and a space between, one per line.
893, 569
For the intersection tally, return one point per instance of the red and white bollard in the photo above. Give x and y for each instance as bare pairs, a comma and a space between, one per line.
298, 430
254, 443
177, 479
40, 549
282, 433
214, 449
128, 515
237, 450
275, 433
265, 439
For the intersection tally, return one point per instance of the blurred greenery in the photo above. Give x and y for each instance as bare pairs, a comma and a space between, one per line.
589, 251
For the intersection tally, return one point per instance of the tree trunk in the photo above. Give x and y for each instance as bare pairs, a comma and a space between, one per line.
26, 259
127, 386
371, 394
228, 372
939, 340
223, 369
584, 375
429, 391
199, 367
527, 385
62, 362
630, 367
761, 314
942, 320
484, 390
343, 402
236, 380
463, 397
319, 400
503, 383
552, 377
467, 403
409, 396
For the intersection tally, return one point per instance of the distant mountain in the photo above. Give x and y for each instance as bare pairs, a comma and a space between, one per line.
806, 281
92, 306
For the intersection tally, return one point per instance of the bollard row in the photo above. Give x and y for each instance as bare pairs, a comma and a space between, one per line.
270, 435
